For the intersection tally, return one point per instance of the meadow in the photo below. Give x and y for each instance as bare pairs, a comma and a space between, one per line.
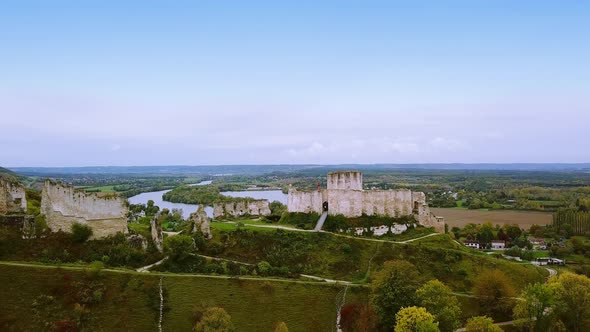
131, 300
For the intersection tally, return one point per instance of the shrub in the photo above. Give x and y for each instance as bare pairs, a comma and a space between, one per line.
415, 319
346, 248
179, 247
81, 233
215, 319
96, 268
281, 327
264, 268
481, 324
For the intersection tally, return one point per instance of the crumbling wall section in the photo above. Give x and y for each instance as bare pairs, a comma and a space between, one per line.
13, 199
259, 208
64, 205
348, 203
423, 214
201, 222
306, 201
156, 230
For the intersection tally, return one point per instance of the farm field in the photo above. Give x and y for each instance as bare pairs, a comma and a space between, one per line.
461, 217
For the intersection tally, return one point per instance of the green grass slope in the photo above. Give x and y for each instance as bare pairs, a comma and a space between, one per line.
352, 259
130, 301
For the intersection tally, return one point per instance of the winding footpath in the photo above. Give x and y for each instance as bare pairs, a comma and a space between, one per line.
287, 228
166, 274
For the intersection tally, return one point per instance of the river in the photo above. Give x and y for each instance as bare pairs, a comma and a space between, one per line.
187, 209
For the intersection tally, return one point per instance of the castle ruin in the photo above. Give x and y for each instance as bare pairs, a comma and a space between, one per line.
345, 196
257, 207
63, 206
13, 199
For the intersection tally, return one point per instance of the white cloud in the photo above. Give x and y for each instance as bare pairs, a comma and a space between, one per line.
448, 144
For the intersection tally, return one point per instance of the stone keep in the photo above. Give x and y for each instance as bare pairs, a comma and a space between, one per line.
345, 196
63, 206
13, 199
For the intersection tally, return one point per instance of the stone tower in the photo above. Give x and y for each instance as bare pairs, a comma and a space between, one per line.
345, 180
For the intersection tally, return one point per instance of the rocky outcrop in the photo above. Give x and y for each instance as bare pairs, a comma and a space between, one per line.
137, 241
240, 208
201, 222
157, 235
13, 199
63, 206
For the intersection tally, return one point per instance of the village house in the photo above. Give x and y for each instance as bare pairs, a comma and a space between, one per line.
538, 244
498, 245
471, 244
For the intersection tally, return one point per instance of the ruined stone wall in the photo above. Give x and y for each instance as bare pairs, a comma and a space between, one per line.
392, 203
201, 222
63, 206
350, 180
345, 202
346, 197
240, 208
354, 203
13, 199
156, 230
306, 201
423, 214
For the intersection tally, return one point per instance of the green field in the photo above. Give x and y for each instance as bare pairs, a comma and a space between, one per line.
104, 189
131, 300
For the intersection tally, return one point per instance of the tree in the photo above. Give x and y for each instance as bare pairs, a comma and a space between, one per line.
277, 208
485, 234
415, 319
572, 295
439, 300
179, 247
281, 327
535, 311
215, 319
394, 287
81, 233
494, 290
513, 231
481, 324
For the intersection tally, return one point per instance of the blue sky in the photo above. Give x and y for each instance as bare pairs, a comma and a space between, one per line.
246, 82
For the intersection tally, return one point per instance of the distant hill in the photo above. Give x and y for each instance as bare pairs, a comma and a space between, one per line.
7, 171
8, 174
262, 169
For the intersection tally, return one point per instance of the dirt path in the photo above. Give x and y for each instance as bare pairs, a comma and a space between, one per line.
148, 267
508, 323
384, 241
326, 280
164, 274
223, 259
336, 234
